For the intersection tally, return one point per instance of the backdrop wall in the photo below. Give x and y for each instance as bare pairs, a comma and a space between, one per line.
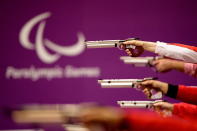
43, 59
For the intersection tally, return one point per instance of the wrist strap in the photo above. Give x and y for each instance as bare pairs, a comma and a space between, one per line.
172, 90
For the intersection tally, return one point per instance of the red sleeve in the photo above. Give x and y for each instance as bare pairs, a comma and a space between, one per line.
152, 122
185, 111
186, 46
187, 94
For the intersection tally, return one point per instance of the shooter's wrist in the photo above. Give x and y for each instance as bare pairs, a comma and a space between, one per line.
178, 65
164, 87
149, 46
171, 107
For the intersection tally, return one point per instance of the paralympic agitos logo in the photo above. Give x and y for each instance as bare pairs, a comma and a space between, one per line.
41, 43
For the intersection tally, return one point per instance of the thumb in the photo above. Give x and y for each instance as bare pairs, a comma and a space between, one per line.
158, 104
147, 83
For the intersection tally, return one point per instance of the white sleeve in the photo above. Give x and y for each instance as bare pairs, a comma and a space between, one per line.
176, 52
